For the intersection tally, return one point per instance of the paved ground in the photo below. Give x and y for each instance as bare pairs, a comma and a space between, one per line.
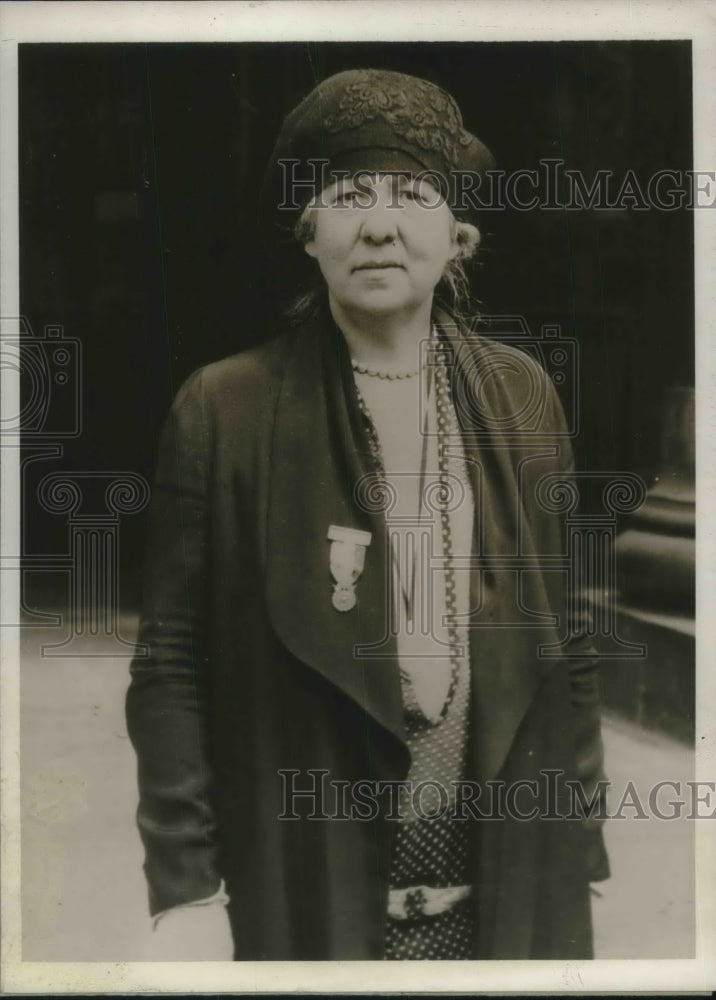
646, 909
83, 892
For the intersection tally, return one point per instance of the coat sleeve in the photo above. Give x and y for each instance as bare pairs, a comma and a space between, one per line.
166, 700
583, 661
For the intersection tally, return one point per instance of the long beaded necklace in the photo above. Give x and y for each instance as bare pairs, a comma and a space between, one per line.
445, 425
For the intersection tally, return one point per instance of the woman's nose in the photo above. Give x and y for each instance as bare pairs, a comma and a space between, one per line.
379, 223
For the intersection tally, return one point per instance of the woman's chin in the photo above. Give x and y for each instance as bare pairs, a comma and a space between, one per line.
383, 303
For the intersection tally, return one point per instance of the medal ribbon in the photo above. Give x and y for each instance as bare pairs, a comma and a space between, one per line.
347, 559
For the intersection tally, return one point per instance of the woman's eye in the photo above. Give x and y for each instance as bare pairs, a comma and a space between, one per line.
412, 195
347, 199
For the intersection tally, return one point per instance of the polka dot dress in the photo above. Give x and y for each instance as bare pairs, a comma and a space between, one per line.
446, 936
434, 851
430, 849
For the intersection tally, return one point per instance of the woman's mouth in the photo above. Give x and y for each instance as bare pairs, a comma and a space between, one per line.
376, 265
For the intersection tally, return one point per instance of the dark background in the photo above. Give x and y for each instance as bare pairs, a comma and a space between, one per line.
139, 172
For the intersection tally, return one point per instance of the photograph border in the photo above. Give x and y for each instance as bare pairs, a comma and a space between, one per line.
365, 20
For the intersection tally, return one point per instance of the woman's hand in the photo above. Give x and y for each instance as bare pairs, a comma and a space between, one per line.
192, 934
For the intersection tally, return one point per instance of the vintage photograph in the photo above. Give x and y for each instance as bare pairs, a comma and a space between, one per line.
356, 447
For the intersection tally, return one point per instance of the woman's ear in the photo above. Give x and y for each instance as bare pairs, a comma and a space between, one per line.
466, 240
305, 230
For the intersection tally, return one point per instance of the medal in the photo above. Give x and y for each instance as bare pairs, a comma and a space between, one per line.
344, 597
347, 558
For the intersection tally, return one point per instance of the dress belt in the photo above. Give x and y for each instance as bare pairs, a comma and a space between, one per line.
425, 900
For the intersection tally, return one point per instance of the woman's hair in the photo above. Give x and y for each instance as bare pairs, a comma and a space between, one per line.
452, 291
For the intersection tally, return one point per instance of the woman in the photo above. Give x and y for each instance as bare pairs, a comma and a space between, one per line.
344, 664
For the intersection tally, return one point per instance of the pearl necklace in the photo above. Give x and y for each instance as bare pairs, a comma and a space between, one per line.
376, 373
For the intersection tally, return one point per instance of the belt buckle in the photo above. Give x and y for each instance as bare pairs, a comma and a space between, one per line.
414, 903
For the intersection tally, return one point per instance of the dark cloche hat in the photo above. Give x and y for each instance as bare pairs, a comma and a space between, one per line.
367, 119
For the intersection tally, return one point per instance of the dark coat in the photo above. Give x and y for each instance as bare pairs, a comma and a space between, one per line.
252, 672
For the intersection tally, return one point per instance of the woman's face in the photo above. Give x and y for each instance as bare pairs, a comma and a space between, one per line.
382, 243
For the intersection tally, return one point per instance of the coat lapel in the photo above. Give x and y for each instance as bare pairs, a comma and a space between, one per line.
319, 452
505, 667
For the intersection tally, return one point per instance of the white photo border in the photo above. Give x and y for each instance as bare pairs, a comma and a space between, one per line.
368, 20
